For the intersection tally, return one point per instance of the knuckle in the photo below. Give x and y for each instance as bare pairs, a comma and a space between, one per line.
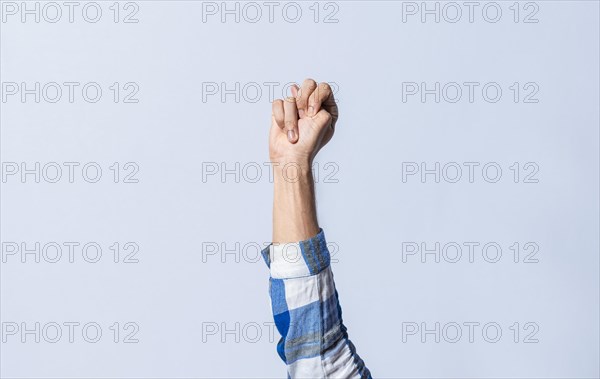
277, 106
290, 99
289, 124
323, 91
325, 87
310, 83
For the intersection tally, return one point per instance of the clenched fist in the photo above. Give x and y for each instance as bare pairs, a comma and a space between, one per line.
301, 125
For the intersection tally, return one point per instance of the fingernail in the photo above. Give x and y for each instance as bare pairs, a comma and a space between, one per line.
311, 111
291, 135
301, 112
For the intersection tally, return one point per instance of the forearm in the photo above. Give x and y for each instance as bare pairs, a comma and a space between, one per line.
294, 207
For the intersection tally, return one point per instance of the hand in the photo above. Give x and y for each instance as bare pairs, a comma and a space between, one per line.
301, 125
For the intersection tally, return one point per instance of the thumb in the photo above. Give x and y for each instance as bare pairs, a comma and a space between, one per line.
291, 119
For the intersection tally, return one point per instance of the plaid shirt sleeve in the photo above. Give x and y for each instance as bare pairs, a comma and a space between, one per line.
307, 313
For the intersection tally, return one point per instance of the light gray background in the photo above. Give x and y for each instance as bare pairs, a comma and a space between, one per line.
368, 213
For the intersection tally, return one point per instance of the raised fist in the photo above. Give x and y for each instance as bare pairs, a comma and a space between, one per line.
301, 125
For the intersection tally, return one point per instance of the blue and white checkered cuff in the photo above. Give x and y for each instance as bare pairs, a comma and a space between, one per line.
297, 259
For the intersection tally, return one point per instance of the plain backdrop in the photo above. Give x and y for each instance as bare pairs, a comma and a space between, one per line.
194, 296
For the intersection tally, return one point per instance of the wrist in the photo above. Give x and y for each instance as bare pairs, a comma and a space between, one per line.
292, 169
300, 158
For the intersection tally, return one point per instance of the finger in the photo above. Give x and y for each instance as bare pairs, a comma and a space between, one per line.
278, 113
323, 119
295, 90
291, 119
322, 98
308, 86
318, 97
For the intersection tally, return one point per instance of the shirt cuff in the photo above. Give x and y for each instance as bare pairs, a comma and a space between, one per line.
297, 259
